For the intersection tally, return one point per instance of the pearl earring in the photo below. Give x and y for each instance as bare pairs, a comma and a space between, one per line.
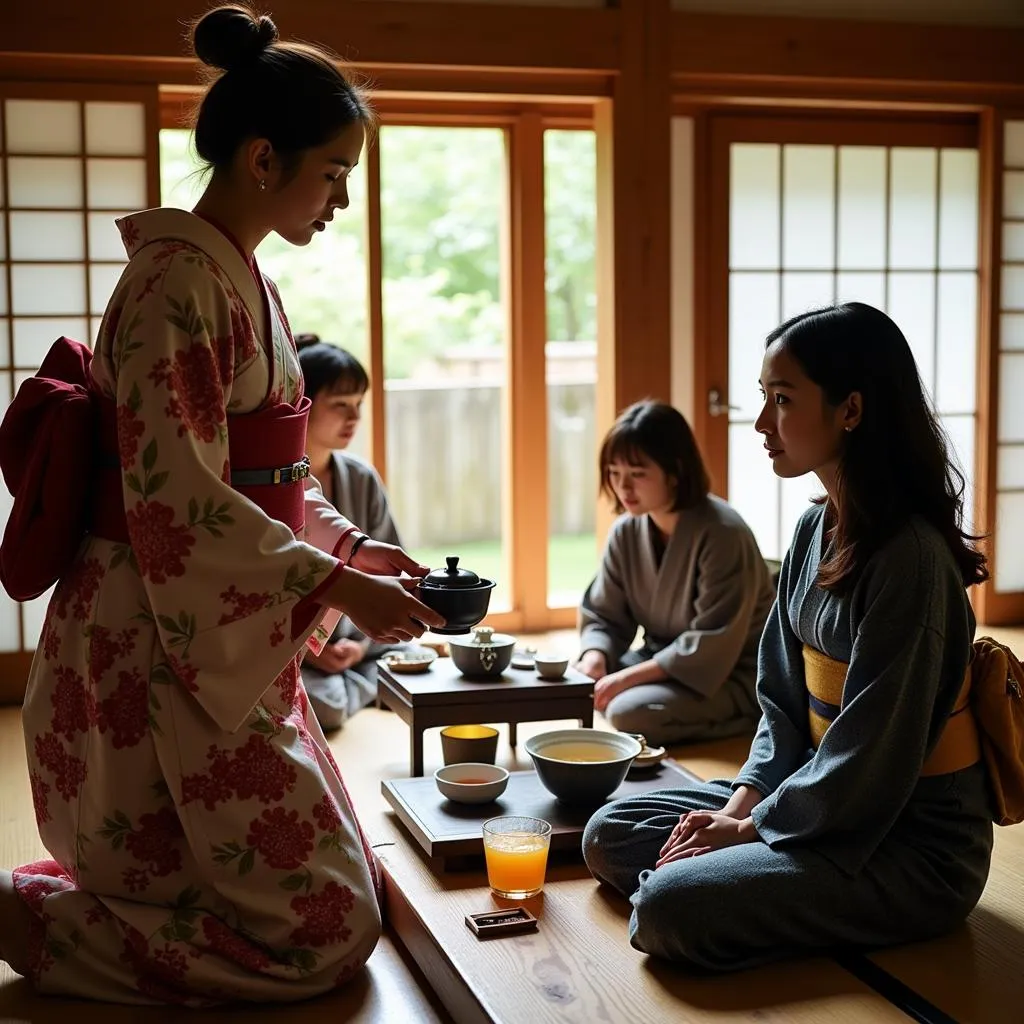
263, 185
848, 429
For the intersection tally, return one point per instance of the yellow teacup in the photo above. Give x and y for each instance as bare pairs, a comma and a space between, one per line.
476, 744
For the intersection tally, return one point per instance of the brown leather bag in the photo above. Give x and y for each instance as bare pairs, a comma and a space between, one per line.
997, 700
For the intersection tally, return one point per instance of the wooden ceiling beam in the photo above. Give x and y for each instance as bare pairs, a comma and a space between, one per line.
446, 35
828, 49
503, 49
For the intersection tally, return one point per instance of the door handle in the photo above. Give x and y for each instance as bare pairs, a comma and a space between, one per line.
716, 407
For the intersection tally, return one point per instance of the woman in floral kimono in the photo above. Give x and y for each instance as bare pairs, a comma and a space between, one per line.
204, 846
862, 816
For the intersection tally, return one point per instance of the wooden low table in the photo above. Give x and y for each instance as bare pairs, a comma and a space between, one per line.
452, 833
443, 696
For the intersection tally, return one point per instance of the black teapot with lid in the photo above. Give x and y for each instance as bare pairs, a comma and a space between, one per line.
460, 595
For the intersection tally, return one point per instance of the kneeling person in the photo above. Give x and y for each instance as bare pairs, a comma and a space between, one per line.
343, 678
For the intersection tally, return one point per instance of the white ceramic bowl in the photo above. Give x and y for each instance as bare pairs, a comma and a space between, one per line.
550, 666
471, 783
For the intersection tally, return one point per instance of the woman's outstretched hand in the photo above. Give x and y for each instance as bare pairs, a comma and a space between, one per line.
382, 607
380, 559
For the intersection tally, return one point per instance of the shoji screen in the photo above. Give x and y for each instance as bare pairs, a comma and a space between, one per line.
72, 158
1009, 547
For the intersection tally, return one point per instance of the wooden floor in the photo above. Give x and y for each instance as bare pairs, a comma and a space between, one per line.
975, 976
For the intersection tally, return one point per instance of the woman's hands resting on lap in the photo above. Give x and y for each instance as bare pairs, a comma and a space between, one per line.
700, 832
610, 684
337, 657
593, 664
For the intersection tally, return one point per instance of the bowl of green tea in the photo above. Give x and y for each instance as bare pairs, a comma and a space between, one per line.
582, 766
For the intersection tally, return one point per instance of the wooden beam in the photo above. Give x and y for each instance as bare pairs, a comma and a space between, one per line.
178, 106
759, 47
634, 173
452, 35
986, 439
559, 86
634, 193
375, 311
693, 92
711, 297
993, 608
526, 523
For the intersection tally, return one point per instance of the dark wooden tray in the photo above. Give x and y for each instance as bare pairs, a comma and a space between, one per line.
448, 830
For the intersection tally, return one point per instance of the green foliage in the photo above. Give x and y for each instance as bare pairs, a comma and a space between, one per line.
442, 202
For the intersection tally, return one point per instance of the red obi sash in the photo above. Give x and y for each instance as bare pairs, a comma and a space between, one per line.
66, 483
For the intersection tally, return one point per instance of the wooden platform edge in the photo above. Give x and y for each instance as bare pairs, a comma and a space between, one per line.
408, 928
889, 987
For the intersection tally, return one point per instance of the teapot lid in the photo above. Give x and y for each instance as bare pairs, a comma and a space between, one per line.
452, 577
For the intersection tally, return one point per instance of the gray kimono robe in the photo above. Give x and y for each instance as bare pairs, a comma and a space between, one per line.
856, 848
358, 491
702, 610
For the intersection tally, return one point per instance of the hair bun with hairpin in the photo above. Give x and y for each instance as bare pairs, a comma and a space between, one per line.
231, 36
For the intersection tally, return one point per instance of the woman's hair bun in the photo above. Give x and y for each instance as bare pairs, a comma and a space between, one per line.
306, 340
231, 36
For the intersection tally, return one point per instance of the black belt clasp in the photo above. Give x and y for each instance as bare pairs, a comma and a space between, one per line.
292, 474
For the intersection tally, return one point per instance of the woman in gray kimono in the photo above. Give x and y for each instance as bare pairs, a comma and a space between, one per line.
683, 566
343, 678
862, 815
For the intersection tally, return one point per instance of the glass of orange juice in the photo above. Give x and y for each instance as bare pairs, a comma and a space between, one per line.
516, 849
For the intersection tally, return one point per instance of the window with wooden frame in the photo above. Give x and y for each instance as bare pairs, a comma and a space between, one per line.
805, 211
72, 159
463, 276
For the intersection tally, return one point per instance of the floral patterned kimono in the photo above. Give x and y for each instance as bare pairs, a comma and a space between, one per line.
204, 845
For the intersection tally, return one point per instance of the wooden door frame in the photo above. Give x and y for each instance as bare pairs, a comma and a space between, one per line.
995, 608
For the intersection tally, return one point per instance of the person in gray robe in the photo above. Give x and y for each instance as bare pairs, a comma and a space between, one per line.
841, 837
343, 678
684, 567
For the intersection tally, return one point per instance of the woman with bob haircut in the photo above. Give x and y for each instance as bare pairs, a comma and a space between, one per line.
684, 567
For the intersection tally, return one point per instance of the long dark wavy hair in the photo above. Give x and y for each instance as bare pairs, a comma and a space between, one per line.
896, 463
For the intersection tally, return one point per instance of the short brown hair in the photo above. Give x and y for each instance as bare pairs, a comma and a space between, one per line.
660, 433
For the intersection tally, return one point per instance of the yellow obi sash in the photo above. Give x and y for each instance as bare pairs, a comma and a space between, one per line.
958, 747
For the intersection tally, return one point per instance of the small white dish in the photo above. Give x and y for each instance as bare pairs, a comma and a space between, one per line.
522, 657
470, 783
418, 659
649, 757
